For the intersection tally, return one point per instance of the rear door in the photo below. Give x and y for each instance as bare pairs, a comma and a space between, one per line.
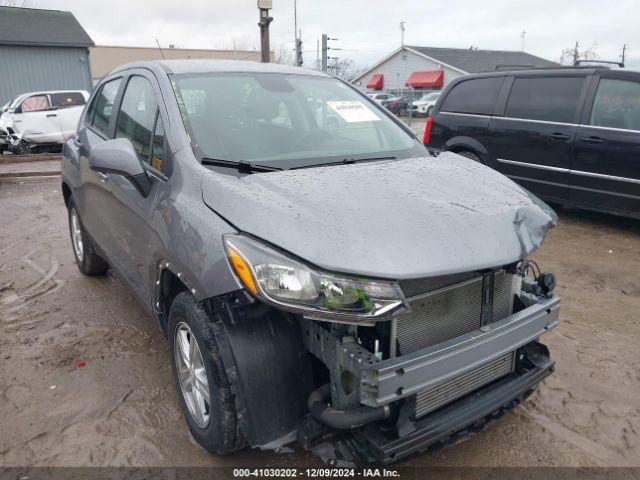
606, 171
69, 107
532, 141
37, 120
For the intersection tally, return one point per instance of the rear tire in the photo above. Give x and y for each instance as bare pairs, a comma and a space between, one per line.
209, 409
402, 112
88, 261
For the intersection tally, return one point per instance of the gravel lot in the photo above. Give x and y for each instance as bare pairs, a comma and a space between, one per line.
85, 378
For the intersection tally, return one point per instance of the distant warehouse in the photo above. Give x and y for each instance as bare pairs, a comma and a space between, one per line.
432, 68
42, 50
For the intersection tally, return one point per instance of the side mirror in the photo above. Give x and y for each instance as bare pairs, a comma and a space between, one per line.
18, 109
118, 156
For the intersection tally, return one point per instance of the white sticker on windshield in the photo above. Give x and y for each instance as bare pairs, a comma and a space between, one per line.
353, 111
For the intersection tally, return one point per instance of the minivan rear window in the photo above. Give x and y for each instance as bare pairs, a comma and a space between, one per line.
551, 99
477, 96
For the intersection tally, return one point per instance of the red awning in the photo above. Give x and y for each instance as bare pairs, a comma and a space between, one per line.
433, 78
376, 82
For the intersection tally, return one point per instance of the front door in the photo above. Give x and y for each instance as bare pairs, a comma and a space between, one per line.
37, 121
532, 143
134, 241
606, 171
95, 191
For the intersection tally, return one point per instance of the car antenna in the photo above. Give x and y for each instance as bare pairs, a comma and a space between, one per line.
160, 48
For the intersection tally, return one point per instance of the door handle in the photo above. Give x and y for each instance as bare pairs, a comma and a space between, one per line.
77, 142
559, 136
52, 114
592, 139
103, 177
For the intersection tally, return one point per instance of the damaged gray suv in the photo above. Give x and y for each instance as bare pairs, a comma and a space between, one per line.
318, 276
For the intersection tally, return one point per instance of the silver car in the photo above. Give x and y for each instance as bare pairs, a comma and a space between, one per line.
318, 276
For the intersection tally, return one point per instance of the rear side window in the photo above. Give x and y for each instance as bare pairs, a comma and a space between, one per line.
617, 105
477, 96
551, 99
104, 105
137, 115
67, 99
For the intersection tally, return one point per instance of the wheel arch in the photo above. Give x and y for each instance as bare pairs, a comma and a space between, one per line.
460, 144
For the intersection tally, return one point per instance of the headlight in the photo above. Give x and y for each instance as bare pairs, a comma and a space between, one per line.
291, 285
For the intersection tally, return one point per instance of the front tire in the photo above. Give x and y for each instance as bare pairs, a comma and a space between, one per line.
204, 391
88, 261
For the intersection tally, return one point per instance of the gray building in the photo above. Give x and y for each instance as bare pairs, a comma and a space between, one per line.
431, 68
42, 50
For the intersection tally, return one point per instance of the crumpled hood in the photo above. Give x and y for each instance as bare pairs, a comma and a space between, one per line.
399, 219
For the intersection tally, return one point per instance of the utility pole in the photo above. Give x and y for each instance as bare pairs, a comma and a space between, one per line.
624, 52
299, 50
264, 6
325, 49
402, 22
522, 34
297, 34
576, 54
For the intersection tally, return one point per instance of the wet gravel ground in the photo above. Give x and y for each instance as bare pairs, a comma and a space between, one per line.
85, 378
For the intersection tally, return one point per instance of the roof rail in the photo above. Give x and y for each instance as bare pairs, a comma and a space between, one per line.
501, 67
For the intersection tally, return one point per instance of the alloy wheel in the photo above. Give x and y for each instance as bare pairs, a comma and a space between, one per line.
192, 375
76, 235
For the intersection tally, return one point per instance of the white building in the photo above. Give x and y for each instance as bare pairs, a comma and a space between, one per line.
431, 68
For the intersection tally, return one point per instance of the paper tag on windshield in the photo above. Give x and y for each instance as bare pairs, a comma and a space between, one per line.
353, 111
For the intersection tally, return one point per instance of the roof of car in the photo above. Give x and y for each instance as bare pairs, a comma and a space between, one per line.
209, 66
561, 71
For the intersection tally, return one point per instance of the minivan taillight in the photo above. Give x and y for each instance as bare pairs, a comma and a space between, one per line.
427, 130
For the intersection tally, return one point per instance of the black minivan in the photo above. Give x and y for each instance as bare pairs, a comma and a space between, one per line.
569, 135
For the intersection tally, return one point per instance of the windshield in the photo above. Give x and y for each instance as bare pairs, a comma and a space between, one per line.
429, 97
285, 120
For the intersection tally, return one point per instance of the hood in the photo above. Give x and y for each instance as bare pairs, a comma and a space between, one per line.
400, 219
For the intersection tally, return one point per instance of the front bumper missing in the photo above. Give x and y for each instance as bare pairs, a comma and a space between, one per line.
386, 381
457, 420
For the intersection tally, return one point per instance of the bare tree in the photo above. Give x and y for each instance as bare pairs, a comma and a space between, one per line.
284, 55
345, 68
16, 3
571, 55
240, 44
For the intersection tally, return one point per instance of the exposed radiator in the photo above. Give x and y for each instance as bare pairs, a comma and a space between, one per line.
440, 313
430, 400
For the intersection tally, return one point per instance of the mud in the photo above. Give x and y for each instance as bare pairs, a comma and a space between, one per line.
85, 378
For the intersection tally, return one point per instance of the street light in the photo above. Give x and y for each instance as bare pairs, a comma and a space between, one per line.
264, 6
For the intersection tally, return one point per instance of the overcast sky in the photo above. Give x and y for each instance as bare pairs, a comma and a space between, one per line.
368, 30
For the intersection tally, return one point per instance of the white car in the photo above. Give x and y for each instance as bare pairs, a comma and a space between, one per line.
380, 97
40, 121
424, 105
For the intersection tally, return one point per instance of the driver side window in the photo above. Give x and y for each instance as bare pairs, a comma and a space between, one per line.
36, 103
137, 116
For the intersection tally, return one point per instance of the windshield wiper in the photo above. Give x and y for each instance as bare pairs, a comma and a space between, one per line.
345, 161
243, 166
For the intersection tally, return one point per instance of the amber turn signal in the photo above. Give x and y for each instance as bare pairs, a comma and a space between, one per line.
242, 270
